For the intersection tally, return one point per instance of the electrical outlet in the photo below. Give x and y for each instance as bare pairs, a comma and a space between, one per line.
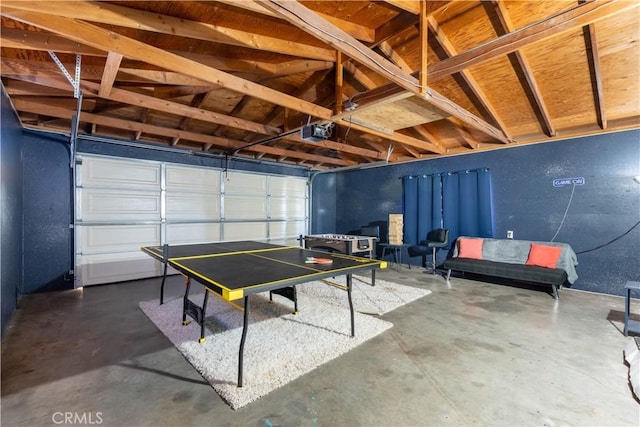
509, 234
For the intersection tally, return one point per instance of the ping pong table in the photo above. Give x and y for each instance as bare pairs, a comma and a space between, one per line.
236, 270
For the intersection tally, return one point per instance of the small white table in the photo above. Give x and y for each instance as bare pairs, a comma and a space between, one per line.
630, 325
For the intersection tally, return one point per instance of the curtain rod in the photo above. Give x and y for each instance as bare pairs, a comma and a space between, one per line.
448, 173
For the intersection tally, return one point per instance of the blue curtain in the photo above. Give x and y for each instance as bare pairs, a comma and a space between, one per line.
422, 201
467, 201
410, 208
460, 201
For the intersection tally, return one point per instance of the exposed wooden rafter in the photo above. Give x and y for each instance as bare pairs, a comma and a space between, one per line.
106, 13
532, 85
429, 78
110, 72
302, 17
573, 18
467, 76
591, 42
99, 37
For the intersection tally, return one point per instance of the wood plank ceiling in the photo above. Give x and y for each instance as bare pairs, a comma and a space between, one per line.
389, 81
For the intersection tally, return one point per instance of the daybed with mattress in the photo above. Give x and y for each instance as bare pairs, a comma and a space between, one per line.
547, 263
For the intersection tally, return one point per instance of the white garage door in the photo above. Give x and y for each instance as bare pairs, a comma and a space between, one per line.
123, 204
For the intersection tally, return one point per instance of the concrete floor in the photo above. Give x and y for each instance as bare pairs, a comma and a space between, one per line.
471, 353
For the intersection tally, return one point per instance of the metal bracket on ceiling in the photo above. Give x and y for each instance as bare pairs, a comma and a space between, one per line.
75, 82
226, 167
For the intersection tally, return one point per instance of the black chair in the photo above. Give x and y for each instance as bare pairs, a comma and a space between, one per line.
437, 238
371, 231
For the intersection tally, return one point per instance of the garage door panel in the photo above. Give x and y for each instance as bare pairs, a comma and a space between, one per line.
102, 172
286, 229
287, 186
192, 179
192, 233
118, 205
245, 207
97, 239
287, 208
109, 268
245, 231
245, 183
192, 206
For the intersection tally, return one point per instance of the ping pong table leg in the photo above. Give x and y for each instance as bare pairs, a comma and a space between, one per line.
165, 261
164, 279
202, 315
185, 301
244, 336
349, 283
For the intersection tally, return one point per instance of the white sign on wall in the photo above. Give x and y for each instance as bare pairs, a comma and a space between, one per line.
561, 182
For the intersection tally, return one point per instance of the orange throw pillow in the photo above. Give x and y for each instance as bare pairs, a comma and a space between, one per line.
544, 256
470, 248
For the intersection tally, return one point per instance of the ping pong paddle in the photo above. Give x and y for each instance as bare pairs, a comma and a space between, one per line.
315, 260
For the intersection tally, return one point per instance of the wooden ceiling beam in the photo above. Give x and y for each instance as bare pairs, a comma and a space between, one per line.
306, 86
168, 92
358, 74
423, 40
467, 140
100, 38
396, 137
428, 136
410, 6
303, 18
525, 67
136, 99
143, 119
109, 75
26, 88
233, 113
106, 13
44, 41
144, 101
394, 56
413, 6
125, 75
571, 19
339, 81
360, 32
591, 42
34, 106
300, 16
298, 66
27, 68
448, 48
196, 102
377, 98
394, 27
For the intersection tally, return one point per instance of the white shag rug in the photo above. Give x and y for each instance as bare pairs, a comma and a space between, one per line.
379, 299
280, 346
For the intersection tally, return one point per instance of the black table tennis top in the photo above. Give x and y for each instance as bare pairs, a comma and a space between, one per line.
236, 269
189, 250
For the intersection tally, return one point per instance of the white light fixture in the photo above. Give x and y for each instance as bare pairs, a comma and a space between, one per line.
350, 106
637, 179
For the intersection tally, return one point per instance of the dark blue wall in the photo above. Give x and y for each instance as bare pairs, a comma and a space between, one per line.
525, 200
10, 209
323, 203
47, 212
